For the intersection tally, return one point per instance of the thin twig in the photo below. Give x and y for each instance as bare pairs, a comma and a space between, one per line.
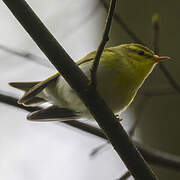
103, 42
80, 83
123, 25
96, 150
155, 39
125, 176
26, 55
142, 105
172, 82
150, 154
155, 42
6, 98
131, 131
169, 77
134, 37
160, 158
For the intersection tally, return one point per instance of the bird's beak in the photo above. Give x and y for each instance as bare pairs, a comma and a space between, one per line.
160, 58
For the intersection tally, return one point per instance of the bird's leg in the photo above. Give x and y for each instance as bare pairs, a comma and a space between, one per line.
118, 119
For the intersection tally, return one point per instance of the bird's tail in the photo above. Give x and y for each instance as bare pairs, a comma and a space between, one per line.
33, 100
32, 97
32, 90
53, 113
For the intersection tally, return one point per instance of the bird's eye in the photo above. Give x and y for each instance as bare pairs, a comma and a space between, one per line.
141, 53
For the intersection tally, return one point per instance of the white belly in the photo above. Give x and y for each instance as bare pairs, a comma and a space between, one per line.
62, 94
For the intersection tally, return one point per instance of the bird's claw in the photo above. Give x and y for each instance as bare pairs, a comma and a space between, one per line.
118, 119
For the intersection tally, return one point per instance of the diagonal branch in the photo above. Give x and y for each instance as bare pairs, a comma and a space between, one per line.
103, 42
98, 149
123, 25
79, 82
125, 176
150, 154
10, 100
169, 77
26, 55
134, 37
159, 158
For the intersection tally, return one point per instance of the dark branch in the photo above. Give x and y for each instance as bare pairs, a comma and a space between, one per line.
79, 82
151, 155
96, 150
125, 176
39, 60
10, 100
123, 25
160, 158
26, 55
102, 44
134, 37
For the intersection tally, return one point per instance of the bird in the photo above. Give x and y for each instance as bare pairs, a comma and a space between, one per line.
121, 72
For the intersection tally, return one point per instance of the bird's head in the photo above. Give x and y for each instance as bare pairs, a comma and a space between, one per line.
137, 61
139, 54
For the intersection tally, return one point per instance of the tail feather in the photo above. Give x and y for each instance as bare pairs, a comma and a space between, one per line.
32, 89
35, 101
25, 86
53, 113
31, 93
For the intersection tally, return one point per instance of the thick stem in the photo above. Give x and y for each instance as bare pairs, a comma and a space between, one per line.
79, 82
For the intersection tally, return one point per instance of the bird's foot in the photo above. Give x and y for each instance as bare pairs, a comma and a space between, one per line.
118, 119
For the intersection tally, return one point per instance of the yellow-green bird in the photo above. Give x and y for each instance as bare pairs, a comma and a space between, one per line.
121, 72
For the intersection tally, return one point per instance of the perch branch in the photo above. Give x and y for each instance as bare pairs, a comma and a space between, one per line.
125, 176
133, 36
151, 155
79, 82
103, 42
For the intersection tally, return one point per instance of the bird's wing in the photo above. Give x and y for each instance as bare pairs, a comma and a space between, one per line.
25, 86
53, 113
32, 89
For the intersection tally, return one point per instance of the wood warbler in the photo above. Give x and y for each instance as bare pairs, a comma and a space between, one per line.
121, 72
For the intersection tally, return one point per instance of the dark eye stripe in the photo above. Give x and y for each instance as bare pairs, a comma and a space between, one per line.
141, 52
148, 56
